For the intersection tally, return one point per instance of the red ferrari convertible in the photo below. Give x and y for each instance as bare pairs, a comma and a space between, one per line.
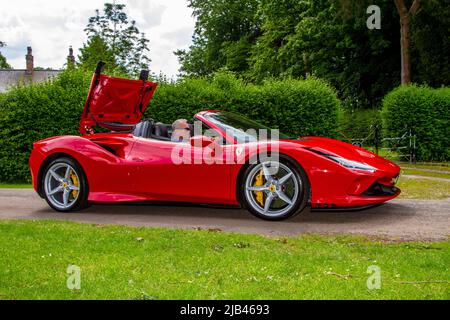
219, 158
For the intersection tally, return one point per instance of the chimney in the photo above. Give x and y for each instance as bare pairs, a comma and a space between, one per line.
70, 58
30, 62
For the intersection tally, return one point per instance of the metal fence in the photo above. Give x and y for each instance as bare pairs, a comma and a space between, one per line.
401, 148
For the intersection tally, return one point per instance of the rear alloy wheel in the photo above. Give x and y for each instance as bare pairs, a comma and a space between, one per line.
275, 190
65, 186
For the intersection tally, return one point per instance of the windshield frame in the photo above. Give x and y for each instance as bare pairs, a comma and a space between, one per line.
205, 117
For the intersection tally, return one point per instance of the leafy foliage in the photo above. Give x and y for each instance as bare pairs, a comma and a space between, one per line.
306, 107
95, 50
427, 112
328, 39
3, 63
121, 41
35, 112
430, 37
224, 32
325, 41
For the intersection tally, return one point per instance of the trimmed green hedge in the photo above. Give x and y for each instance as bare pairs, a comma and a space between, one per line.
296, 107
28, 114
32, 113
427, 112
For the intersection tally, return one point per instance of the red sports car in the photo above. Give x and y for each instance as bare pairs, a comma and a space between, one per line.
217, 158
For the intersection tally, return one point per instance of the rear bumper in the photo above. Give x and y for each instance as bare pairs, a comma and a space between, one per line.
35, 162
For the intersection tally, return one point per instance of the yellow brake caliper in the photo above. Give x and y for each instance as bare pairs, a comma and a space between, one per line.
259, 182
74, 178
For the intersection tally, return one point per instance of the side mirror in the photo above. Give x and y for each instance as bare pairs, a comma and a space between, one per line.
201, 141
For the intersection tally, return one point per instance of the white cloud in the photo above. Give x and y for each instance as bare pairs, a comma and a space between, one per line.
50, 27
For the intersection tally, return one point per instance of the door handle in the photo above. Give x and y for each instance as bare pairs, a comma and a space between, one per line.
137, 159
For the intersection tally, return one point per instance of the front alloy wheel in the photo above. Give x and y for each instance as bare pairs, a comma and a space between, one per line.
275, 190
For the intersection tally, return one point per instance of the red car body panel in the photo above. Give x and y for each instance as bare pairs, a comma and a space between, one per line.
121, 167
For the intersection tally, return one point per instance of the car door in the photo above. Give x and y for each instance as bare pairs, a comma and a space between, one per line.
160, 175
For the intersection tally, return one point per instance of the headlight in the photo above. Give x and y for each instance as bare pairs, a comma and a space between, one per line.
350, 164
355, 165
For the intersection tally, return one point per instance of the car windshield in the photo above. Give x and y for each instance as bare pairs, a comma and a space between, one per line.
241, 128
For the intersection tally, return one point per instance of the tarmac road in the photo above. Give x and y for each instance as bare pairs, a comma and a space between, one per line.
397, 219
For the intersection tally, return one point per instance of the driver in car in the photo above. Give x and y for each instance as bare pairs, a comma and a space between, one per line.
181, 131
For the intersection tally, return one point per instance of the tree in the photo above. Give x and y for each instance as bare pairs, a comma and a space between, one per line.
430, 44
3, 63
329, 39
224, 33
261, 39
138, 59
127, 45
291, 38
96, 50
272, 56
405, 17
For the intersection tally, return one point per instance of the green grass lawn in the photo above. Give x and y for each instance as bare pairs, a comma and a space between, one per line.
418, 172
413, 188
442, 166
16, 185
438, 170
423, 189
141, 263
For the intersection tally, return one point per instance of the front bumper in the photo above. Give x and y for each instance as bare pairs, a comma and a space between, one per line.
363, 191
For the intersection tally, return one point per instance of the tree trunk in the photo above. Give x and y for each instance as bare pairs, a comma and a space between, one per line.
404, 49
404, 36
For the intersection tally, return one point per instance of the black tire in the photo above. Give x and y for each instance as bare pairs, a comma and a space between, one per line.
297, 206
81, 202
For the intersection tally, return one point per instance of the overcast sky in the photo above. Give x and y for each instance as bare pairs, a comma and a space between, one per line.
51, 26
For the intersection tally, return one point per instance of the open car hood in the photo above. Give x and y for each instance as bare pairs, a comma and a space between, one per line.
115, 103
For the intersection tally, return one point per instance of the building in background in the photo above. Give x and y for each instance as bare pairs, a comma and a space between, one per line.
12, 77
